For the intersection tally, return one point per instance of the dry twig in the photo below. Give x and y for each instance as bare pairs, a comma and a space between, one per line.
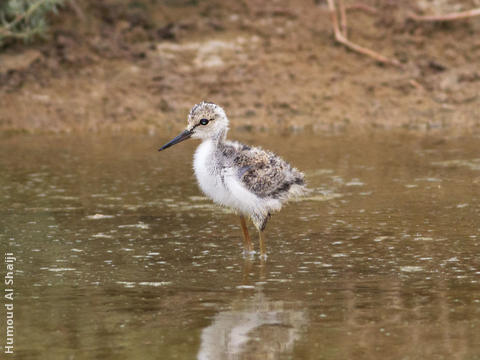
416, 85
341, 38
363, 7
340, 31
343, 17
446, 17
77, 9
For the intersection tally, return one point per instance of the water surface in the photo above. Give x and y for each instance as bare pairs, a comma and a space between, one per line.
119, 256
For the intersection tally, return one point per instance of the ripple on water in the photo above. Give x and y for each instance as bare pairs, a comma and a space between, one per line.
428, 179
99, 217
383, 238
423, 238
411, 269
245, 287
472, 164
102, 235
132, 284
57, 269
139, 225
154, 283
355, 182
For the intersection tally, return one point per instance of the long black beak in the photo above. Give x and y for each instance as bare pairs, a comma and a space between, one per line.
183, 136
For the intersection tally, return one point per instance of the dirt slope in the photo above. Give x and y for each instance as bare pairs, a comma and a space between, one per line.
125, 65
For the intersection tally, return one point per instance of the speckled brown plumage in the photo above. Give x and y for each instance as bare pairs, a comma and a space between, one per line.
262, 172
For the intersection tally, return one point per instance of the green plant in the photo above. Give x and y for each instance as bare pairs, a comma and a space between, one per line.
25, 19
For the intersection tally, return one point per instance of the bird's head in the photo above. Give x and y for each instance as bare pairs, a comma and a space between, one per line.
205, 121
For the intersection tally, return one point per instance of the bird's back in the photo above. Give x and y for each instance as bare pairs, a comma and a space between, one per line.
263, 172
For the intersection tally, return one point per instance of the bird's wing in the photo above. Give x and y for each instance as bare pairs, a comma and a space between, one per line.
262, 172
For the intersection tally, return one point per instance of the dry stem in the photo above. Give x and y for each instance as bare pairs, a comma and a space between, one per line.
363, 7
341, 38
343, 17
446, 17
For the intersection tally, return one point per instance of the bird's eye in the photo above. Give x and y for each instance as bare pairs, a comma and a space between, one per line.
204, 121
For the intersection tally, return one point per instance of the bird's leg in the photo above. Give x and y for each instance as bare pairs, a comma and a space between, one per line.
263, 253
247, 242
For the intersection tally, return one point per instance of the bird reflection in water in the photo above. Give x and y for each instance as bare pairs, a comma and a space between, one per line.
255, 327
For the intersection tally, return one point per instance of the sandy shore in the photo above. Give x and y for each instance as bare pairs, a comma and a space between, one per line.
272, 66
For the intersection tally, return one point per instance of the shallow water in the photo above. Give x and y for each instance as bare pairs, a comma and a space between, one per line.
120, 257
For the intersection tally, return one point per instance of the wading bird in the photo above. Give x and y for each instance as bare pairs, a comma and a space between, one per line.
251, 181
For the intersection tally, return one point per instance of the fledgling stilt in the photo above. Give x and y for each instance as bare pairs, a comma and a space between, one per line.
251, 181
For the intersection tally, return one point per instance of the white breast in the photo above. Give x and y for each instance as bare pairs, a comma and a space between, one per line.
221, 184
208, 173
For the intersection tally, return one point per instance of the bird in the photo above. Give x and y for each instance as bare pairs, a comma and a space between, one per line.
252, 182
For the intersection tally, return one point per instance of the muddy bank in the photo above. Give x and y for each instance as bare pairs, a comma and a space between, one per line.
123, 65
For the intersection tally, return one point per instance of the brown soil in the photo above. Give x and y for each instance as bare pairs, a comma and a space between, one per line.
271, 64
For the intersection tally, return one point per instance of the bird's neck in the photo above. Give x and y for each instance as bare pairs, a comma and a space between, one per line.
219, 137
